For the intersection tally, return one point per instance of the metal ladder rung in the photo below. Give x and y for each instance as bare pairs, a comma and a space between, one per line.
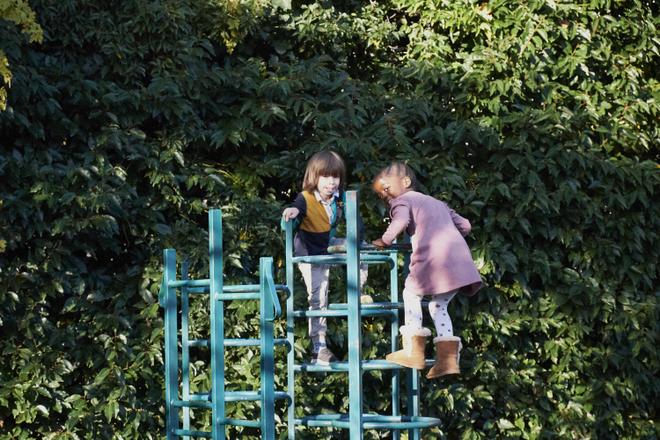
243, 396
230, 396
191, 433
370, 306
342, 313
341, 259
369, 421
376, 364
198, 343
188, 283
242, 422
239, 288
235, 342
192, 404
251, 342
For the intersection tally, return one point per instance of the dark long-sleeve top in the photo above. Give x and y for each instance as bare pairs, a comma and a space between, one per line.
314, 226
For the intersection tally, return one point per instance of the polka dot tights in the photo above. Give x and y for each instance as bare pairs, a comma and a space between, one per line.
437, 309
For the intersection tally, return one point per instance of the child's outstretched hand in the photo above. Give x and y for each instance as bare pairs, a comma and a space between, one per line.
380, 244
290, 213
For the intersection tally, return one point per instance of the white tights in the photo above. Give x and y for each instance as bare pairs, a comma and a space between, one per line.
437, 309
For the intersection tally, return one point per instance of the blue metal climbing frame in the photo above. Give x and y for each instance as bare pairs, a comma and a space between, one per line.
180, 399
178, 396
355, 421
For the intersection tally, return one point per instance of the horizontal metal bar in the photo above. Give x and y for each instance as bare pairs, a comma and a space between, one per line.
239, 288
369, 421
341, 259
189, 283
241, 422
234, 396
205, 283
243, 396
311, 313
198, 343
192, 404
394, 247
376, 364
370, 306
234, 342
251, 342
190, 433
201, 399
341, 313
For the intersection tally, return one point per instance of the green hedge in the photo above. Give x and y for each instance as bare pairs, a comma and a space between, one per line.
536, 120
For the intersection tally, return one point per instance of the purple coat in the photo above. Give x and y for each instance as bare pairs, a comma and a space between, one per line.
441, 260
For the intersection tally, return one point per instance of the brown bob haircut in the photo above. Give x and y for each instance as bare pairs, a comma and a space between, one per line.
324, 163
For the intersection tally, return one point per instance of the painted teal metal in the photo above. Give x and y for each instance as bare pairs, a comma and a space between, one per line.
394, 337
269, 309
370, 421
171, 352
217, 325
354, 319
185, 347
267, 313
355, 421
290, 326
215, 400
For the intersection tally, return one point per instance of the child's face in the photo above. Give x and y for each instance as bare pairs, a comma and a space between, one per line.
327, 186
391, 187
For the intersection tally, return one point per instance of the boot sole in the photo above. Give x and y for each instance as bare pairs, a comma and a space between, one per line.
416, 366
434, 376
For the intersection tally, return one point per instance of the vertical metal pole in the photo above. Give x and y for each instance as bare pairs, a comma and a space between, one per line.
217, 325
354, 318
412, 375
171, 352
290, 326
394, 335
185, 347
413, 400
267, 315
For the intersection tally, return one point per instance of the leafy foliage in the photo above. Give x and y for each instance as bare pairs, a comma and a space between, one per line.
536, 120
19, 13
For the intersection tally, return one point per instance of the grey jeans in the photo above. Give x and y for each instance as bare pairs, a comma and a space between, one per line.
316, 278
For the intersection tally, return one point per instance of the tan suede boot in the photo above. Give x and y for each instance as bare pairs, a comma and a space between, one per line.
412, 354
447, 356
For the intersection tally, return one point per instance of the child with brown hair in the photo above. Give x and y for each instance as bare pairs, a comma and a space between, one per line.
316, 212
440, 266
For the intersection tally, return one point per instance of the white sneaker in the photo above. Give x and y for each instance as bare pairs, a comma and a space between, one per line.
366, 299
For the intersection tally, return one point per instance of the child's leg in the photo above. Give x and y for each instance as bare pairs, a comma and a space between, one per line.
412, 306
316, 277
440, 315
447, 346
413, 335
364, 273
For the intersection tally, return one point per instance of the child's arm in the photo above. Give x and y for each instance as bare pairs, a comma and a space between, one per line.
295, 212
290, 213
462, 224
400, 215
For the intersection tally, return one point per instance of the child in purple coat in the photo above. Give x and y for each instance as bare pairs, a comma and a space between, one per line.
440, 266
